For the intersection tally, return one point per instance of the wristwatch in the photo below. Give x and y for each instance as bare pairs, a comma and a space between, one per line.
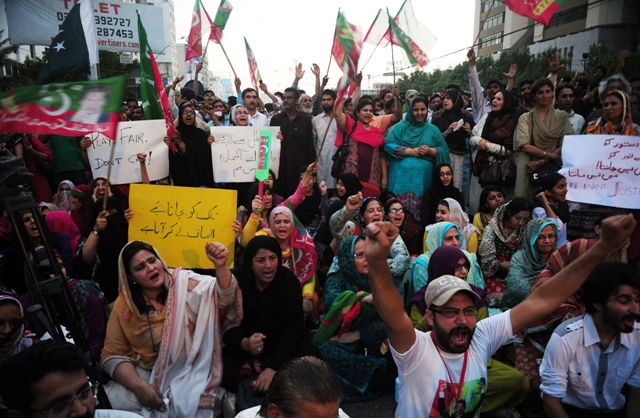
94, 232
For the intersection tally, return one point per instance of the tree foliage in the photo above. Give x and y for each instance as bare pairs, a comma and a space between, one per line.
529, 67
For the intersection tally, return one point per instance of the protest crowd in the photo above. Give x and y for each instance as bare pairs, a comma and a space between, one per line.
413, 241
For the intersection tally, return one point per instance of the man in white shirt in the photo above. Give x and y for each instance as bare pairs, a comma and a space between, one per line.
250, 101
438, 369
565, 96
590, 358
322, 130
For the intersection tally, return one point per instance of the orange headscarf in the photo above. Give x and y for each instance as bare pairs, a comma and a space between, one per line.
603, 126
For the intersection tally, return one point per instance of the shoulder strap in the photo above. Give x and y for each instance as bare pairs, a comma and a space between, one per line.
531, 131
348, 137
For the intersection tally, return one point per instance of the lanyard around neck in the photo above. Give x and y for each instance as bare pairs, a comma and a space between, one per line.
458, 392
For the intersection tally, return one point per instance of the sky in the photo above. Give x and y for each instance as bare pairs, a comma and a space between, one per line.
283, 32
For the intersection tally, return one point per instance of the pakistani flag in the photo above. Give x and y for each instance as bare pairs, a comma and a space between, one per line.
67, 109
75, 47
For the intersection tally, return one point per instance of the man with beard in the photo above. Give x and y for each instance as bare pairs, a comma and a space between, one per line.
137, 113
305, 103
322, 130
50, 379
590, 358
451, 360
297, 147
435, 104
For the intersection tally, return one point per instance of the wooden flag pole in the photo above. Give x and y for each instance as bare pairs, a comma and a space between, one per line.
393, 65
482, 25
374, 50
226, 56
204, 53
335, 30
106, 193
325, 136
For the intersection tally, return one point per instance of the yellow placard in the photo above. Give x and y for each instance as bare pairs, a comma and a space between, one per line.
179, 221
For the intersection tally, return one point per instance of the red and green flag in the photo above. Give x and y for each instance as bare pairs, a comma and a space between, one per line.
200, 27
539, 10
347, 45
155, 102
256, 78
416, 56
220, 21
66, 109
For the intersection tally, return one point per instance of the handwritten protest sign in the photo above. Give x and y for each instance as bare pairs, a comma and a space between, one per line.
235, 149
131, 138
602, 169
179, 221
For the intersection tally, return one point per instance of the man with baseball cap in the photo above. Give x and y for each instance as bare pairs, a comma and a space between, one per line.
441, 368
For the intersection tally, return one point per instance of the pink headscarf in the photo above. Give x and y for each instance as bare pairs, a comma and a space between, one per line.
61, 222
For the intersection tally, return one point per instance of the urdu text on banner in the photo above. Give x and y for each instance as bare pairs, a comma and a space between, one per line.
602, 169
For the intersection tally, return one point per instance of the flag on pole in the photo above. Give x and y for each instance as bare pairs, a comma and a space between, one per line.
200, 28
416, 35
539, 10
416, 56
75, 46
256, 78
224, 10
220, 21
155, 102
67, 109
347, 45
378, 33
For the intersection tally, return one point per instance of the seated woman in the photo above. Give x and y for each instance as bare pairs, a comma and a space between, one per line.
501, 239
366, 211
298, 253
540, 239
310, 210
261, 206
441, 188
272, 329
60, 222
552, 204
441, 234
13, 334
355, 347
449, 210
491, 198
147, 340
403, 220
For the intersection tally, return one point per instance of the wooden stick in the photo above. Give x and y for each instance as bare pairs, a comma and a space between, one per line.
374, 50
335, 30
106, 193
393, 65
482, 25
226, 56
325, 135
205, 49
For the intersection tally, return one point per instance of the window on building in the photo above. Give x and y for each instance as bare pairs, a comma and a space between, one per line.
485, 6
568, 16
494, 21
494, 39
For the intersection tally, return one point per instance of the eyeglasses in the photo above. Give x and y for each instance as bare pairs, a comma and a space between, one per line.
447, 174
396, 210
84, 395
188, 112
453, 313
461, 266
359, 256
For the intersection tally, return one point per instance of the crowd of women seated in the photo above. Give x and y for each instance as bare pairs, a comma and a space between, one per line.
172, 341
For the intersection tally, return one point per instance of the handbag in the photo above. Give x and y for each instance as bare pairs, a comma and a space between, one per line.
341, 154
535, 177
499, 170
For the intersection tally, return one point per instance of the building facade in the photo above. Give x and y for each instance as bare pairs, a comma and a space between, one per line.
572, 29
